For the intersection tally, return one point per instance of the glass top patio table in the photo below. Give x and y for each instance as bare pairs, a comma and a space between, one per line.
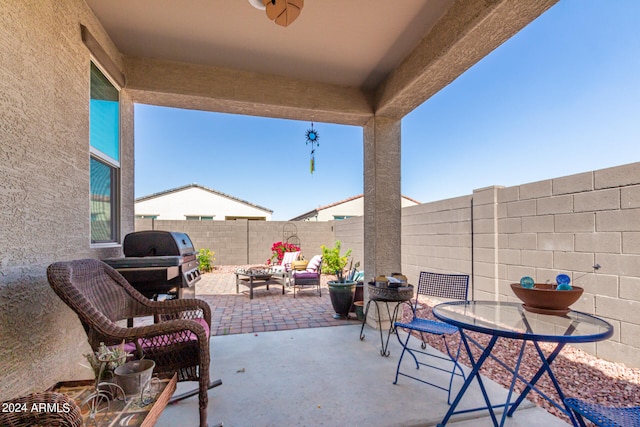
509, 320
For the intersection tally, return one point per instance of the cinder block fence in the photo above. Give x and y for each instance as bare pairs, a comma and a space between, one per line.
497, 235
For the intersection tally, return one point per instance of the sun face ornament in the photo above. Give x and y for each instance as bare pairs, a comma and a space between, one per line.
312, 138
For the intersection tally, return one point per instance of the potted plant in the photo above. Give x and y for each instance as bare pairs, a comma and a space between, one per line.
106, 360
340, 290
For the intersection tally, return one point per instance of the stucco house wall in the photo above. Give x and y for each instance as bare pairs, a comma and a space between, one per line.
44, 185
348, 208
196, 200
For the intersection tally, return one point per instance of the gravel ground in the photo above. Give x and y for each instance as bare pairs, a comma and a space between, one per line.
580, 374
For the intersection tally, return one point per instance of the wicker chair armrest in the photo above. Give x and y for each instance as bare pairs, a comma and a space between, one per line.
162, 328
51, 409
160, 335
181, 305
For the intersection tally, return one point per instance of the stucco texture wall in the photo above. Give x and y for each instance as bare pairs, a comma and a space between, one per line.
351, 208
44, 185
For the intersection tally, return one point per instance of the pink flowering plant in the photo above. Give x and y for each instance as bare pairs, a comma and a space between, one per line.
278, 249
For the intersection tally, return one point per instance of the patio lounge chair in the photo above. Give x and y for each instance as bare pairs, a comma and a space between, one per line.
282, 271
102, 298
604, 416
450, 286
308, 277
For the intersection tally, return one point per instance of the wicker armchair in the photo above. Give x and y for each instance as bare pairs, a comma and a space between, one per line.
102, 299
61, 411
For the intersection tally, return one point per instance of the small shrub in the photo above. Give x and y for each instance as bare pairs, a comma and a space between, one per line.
333, 262
205, 258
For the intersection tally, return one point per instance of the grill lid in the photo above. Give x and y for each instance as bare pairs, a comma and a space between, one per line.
142, 262
157, 243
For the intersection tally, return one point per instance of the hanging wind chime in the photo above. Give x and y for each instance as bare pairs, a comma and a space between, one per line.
312, 138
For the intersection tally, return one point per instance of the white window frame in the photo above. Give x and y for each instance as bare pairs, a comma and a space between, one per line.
111, 162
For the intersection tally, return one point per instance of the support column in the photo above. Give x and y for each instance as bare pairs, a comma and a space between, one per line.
382, 202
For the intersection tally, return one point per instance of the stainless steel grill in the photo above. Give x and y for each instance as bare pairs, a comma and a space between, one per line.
159, 262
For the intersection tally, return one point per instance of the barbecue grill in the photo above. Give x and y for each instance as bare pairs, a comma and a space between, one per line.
159, 262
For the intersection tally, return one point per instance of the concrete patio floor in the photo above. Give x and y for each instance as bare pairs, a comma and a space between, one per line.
280, 367
327, 377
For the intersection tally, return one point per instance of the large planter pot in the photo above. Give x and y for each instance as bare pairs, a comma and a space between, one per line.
341, 297
358, 296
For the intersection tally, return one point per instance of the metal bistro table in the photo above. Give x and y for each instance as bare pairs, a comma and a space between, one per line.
511, 321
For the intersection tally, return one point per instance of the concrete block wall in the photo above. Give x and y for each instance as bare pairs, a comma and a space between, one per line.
350, 232
485, 244
540, 229
242, 242
437, 237
568, 225
496, 235
228, 239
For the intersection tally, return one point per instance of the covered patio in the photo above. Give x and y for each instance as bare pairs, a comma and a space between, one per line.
366, 64
358, 63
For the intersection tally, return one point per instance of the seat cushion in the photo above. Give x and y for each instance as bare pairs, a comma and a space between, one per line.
305, 275
130, 347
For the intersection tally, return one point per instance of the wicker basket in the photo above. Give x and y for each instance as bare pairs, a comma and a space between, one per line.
403, 293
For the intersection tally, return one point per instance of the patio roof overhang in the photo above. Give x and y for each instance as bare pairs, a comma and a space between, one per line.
364, 63
340, 62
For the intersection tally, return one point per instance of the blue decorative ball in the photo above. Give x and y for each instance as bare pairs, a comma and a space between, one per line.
527, 282
563, 282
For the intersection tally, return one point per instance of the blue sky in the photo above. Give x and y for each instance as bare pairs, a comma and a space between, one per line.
560, 97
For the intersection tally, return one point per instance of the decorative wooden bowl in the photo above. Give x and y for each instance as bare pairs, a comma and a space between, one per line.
545, 299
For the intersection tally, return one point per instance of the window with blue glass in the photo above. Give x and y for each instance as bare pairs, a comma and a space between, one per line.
104, 136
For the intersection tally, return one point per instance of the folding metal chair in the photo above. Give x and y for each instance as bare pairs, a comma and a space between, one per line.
450, 286
604, 416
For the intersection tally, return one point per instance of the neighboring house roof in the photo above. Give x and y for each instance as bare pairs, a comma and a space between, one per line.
202, 187
315, 211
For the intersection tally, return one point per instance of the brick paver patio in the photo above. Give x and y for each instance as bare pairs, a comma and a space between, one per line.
269, 310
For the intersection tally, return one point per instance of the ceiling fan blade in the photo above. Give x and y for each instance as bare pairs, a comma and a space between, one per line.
283, 12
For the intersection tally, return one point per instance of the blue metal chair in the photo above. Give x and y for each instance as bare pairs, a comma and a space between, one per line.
450, 286
604, 416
